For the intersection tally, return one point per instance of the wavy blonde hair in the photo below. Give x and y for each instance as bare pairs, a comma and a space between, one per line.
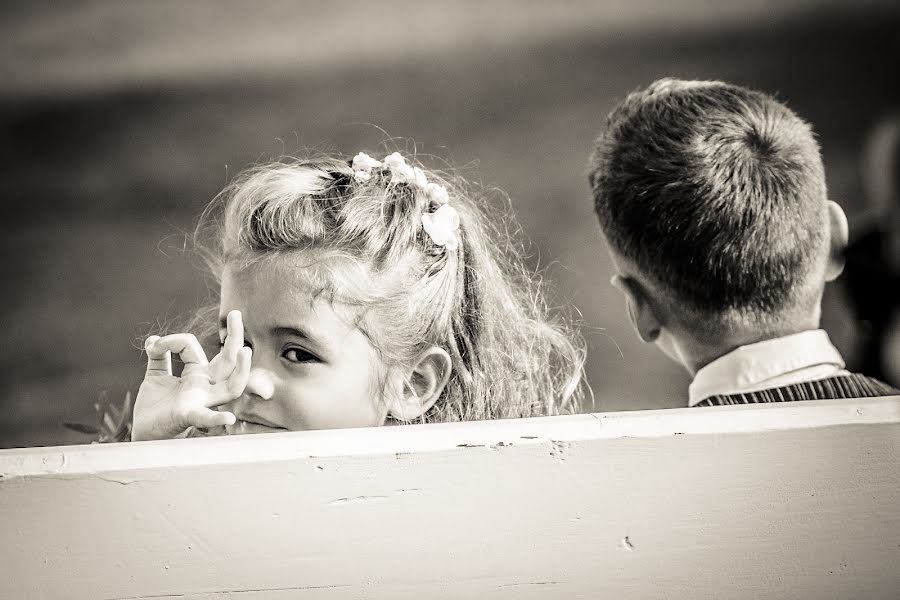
366, 246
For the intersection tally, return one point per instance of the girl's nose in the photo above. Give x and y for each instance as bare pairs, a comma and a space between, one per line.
260, 384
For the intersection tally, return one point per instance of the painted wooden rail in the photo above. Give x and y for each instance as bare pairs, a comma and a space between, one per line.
783, 501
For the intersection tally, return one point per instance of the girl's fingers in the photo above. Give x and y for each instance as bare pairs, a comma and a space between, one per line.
234, 335
223, 364
185, 345
233, 387
159, 360
241, 374
204, 417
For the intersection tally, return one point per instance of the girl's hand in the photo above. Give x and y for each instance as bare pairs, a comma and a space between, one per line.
167, 405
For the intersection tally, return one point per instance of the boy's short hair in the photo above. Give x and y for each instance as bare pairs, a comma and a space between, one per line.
715, 191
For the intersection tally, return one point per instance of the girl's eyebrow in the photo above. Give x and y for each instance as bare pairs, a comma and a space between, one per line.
286, 331
291, 331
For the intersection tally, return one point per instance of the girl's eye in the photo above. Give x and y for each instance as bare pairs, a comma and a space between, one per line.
299, 355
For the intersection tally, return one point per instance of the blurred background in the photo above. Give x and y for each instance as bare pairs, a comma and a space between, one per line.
120, 121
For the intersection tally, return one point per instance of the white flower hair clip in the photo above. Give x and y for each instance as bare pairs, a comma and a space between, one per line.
440, 225
362, 166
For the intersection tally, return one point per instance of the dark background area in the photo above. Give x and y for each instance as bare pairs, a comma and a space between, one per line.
120, 121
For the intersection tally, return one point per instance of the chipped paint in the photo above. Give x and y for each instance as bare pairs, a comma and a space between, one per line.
356, 500
559, 449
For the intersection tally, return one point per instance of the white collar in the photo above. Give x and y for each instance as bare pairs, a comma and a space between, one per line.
804, 356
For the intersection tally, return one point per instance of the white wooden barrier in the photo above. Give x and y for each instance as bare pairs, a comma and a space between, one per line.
779, 501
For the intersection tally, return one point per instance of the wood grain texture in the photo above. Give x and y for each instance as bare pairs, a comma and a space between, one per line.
778, 501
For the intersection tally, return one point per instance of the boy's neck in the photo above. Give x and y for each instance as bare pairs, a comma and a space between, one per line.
696, 355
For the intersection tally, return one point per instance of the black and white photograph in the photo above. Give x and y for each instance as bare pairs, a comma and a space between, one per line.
519, 299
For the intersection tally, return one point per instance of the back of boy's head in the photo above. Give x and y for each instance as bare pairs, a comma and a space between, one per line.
364, 232
717, 193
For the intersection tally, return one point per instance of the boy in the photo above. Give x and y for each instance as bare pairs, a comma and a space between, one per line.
712, 201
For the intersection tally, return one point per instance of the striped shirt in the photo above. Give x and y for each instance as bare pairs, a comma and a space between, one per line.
852, 385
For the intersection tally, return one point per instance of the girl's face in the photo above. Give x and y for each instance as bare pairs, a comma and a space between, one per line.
312, 368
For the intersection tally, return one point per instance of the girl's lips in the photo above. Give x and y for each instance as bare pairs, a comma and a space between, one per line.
252, 424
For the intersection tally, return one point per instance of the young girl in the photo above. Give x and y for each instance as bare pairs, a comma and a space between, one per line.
355, 293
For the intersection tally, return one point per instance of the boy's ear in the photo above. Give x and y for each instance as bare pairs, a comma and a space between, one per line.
421, 386
640, 309
840, 233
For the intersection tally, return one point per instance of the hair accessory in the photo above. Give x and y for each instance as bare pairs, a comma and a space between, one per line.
442, 224
402, 172
362, 166
437, 193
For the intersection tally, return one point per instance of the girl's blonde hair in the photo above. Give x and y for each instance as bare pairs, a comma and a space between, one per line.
362, 242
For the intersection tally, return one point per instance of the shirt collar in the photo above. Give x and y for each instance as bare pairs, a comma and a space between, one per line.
780, 361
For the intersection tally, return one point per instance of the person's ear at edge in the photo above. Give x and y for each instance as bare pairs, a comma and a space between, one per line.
640, 309
839, 236
422, 385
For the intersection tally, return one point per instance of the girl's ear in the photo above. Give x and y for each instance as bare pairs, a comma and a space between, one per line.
422, 385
